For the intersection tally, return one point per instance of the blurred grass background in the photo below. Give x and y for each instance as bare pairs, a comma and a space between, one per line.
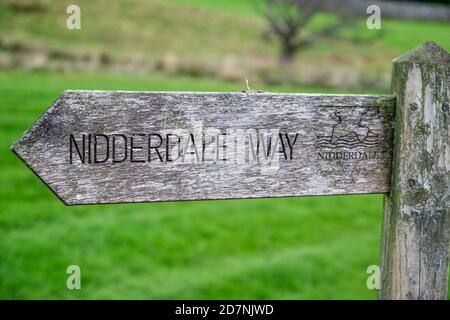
294, 248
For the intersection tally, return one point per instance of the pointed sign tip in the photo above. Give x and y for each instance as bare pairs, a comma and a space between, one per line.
16, 149
427, 52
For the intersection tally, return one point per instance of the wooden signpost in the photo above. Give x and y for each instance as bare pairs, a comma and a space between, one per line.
94, 147
105, 147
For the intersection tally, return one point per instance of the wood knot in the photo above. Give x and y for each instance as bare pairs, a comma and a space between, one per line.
411, 182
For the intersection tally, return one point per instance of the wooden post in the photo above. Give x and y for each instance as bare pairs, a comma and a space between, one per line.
415, 238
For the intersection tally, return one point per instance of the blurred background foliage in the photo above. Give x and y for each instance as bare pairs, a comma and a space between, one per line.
317, 247
201, 38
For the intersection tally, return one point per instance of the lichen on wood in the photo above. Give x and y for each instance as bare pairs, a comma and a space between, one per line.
415, 239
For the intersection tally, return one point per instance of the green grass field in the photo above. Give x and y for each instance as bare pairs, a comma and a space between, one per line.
317, 247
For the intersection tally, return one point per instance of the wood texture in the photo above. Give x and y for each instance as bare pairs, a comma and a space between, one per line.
415, 240
324, 144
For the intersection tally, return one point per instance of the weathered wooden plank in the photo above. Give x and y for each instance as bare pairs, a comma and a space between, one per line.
308, 145
415, 240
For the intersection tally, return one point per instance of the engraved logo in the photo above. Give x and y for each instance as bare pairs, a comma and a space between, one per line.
348, 131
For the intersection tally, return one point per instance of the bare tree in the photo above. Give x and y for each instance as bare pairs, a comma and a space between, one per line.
289, 21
